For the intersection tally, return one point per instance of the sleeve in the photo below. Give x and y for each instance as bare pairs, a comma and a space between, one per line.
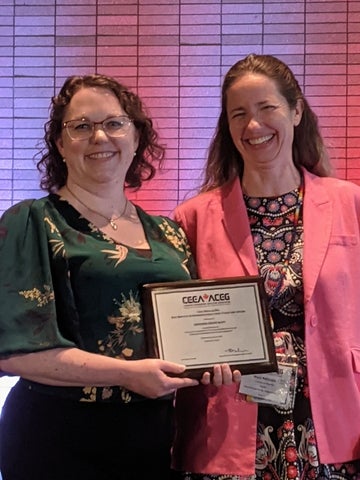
28, 315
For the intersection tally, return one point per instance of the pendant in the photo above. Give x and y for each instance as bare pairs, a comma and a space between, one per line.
113, 224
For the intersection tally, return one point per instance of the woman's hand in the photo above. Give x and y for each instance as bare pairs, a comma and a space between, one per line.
154, 378
72, 367
222, 375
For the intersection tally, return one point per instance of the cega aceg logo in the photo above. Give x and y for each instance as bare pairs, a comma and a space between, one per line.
206, 298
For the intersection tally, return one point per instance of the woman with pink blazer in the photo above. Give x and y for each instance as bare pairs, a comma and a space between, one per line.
269, 206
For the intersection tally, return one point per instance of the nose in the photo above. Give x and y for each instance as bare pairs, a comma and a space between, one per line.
98, 133
254, 120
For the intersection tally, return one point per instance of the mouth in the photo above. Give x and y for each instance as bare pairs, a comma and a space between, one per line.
100, 155
260, 140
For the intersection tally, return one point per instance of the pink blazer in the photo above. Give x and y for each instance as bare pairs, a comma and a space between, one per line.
216, 430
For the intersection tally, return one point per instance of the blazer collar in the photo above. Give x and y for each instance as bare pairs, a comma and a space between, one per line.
317, 220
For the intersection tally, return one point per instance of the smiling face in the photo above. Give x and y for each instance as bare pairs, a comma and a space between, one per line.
100, 159
261, 122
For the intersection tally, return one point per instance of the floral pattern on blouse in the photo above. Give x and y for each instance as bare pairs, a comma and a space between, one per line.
73, 287
119, 254
35, 295
126, 323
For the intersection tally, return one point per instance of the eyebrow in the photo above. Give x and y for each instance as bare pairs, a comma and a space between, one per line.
258, 104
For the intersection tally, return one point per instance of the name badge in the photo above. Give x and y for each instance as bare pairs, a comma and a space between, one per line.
275, 388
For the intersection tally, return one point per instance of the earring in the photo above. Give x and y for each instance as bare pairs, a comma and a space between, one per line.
135, 154
64, 160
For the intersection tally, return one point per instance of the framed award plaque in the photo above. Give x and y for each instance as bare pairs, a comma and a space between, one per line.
200, 323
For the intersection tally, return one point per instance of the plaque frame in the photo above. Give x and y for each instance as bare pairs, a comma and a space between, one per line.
153, 295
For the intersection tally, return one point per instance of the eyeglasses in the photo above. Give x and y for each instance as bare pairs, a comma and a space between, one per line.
83, 129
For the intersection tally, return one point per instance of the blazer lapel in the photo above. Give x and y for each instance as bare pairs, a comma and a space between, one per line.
317, 218
236, 225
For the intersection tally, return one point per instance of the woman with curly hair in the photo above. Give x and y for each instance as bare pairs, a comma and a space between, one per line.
89, 404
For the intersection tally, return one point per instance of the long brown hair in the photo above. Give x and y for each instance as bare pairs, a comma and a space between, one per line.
51, 166
225, 162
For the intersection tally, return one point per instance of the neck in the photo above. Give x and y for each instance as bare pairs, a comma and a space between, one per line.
270, 184
85, 208
101, 203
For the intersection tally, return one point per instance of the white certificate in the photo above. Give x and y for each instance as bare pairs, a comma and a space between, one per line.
200, 323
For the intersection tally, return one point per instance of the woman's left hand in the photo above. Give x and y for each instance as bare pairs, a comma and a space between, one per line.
222, 375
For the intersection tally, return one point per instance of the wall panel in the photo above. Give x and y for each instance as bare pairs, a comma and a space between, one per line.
174, 55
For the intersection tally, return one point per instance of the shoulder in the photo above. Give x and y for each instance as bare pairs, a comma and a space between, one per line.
22, 216
343, 195
333, 186
169, 227
159, 220
166, 229
202, 200
25, 207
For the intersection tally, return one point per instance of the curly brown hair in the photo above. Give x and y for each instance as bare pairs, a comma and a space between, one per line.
53, 170
225, 162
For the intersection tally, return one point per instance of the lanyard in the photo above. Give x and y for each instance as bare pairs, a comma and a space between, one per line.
290, 247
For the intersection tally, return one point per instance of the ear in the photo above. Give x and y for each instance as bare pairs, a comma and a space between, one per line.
136, 140
60, 146
298, 112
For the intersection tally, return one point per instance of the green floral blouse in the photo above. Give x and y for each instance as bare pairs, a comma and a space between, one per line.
63, 283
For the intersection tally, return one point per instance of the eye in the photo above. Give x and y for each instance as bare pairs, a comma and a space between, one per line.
115, 123
269, 108
81, 125
239, 115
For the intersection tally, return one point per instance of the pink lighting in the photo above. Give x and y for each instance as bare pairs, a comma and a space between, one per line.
174, 55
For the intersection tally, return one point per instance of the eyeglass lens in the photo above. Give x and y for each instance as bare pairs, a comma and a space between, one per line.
84, 129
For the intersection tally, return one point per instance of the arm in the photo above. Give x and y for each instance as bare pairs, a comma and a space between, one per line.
73, 367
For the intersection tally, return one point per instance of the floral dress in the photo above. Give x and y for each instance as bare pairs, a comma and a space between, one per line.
286, 442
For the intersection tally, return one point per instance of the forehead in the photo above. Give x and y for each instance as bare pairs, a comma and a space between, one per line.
93, 102
253, 86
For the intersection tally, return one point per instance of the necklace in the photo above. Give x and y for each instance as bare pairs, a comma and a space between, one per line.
109, 219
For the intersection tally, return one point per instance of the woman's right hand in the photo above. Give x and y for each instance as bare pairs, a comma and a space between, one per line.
72, 367
155, 378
